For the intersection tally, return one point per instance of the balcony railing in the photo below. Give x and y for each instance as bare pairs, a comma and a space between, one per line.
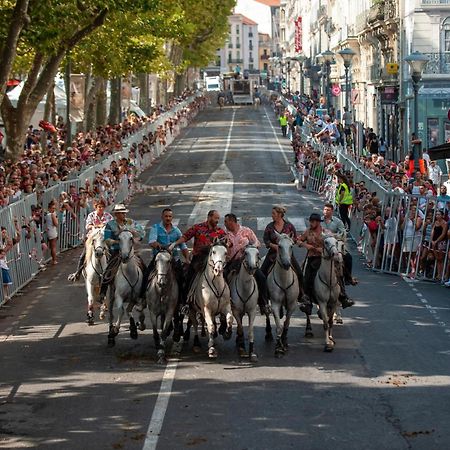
435, 2
264, 56
235, 61
439, 63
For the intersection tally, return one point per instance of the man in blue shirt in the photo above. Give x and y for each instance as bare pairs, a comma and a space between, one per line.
163, 234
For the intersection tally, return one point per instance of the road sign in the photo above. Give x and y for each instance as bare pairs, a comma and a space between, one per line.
355, 97
336, 90
392, 68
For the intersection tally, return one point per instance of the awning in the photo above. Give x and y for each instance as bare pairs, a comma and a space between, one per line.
439, 152
12, 82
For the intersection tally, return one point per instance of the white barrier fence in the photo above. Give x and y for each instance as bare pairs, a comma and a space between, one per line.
29, 252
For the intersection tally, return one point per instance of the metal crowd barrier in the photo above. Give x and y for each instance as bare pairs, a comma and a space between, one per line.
28, 255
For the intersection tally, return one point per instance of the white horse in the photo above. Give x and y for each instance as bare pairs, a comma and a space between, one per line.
95, 264
126, 287
210, 296
326, 287
244, 296
256, 103
283, 286
162, 298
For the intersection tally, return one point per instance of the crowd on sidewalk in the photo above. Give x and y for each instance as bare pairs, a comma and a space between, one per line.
405, 219
46, 161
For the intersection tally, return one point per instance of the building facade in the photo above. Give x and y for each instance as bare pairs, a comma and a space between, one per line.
381, 33
241, 51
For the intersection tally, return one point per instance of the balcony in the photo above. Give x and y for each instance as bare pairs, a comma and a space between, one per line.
439, 63
235, 61
435, 3
265, 57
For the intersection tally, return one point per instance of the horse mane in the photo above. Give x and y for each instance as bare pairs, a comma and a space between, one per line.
88, 244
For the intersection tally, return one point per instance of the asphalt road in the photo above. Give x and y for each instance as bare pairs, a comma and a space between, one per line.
386, 385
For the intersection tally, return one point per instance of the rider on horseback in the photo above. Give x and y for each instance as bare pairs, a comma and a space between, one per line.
96, 219
336, 227
239, 237
282, 226
204, 235
312, 240
163, 234
111, 234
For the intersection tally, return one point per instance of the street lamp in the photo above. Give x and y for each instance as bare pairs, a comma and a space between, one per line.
300, 59
328, 57
417, 62
287, 61
347, 55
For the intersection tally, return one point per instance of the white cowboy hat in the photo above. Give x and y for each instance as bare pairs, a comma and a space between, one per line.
120, 208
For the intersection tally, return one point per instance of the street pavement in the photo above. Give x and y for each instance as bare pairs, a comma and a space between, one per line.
385, 386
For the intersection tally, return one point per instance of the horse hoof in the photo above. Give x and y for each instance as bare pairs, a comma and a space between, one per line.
309, 334
212, 353
101, 316
162, 360
196, 349
253, 358
227, 335
328, 348
339, 321
133, 334
269, 337
279, 353
141, 326
242, 352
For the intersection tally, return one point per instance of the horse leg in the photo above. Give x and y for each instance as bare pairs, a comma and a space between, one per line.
210, 324
228, 322
90, 301
329, 344
141, 322
308, 331
338, 315
240, 339
197, 345
112, 331
284, 334
187, 333
177, 325
204, 328
279, 349
269, 335
251, 337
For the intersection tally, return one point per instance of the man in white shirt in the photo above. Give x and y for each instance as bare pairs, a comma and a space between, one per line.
434, 173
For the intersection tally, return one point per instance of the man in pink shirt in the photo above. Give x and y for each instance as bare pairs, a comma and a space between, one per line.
239, 237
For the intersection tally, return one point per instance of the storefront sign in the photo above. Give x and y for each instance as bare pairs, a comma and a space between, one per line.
392, 68
336, 90
298, 35
389, 95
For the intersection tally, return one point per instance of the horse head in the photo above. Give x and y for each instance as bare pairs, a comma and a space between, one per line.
285, 244
99, 244
162, 263
218, 256
330, 246
126, 245
251, 259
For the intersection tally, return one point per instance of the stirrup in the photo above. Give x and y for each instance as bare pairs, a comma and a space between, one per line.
185, 310
73, 277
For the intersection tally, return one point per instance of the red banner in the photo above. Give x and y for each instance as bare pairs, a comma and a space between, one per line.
298, 35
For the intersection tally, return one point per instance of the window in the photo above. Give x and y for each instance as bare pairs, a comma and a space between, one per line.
266, 67
446, 34
237, 29
250, 66
229, 56
238, 55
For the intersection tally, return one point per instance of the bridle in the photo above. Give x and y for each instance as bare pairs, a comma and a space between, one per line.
210, 283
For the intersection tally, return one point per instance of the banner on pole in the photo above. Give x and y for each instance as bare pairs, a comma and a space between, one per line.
298, 35
77, 99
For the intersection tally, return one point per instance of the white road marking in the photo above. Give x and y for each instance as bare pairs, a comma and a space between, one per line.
217, 193
298, 222
156, 422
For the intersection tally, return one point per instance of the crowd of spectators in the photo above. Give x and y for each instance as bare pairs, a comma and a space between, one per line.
401, 211
46, 161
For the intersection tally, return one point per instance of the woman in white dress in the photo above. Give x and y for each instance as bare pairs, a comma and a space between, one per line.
51, 227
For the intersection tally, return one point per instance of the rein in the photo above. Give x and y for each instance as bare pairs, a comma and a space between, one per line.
276, 282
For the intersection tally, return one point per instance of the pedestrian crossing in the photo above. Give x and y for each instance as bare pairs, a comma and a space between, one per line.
261, 223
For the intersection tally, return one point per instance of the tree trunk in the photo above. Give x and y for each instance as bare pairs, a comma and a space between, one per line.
49, 101
114, 116
180, 83
90, 104
9, 48
144, 93
16, 121
100, 117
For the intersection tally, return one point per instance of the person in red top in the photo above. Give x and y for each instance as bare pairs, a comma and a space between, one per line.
204, 234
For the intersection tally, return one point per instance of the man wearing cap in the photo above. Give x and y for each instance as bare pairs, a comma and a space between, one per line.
111, 235
96, 219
